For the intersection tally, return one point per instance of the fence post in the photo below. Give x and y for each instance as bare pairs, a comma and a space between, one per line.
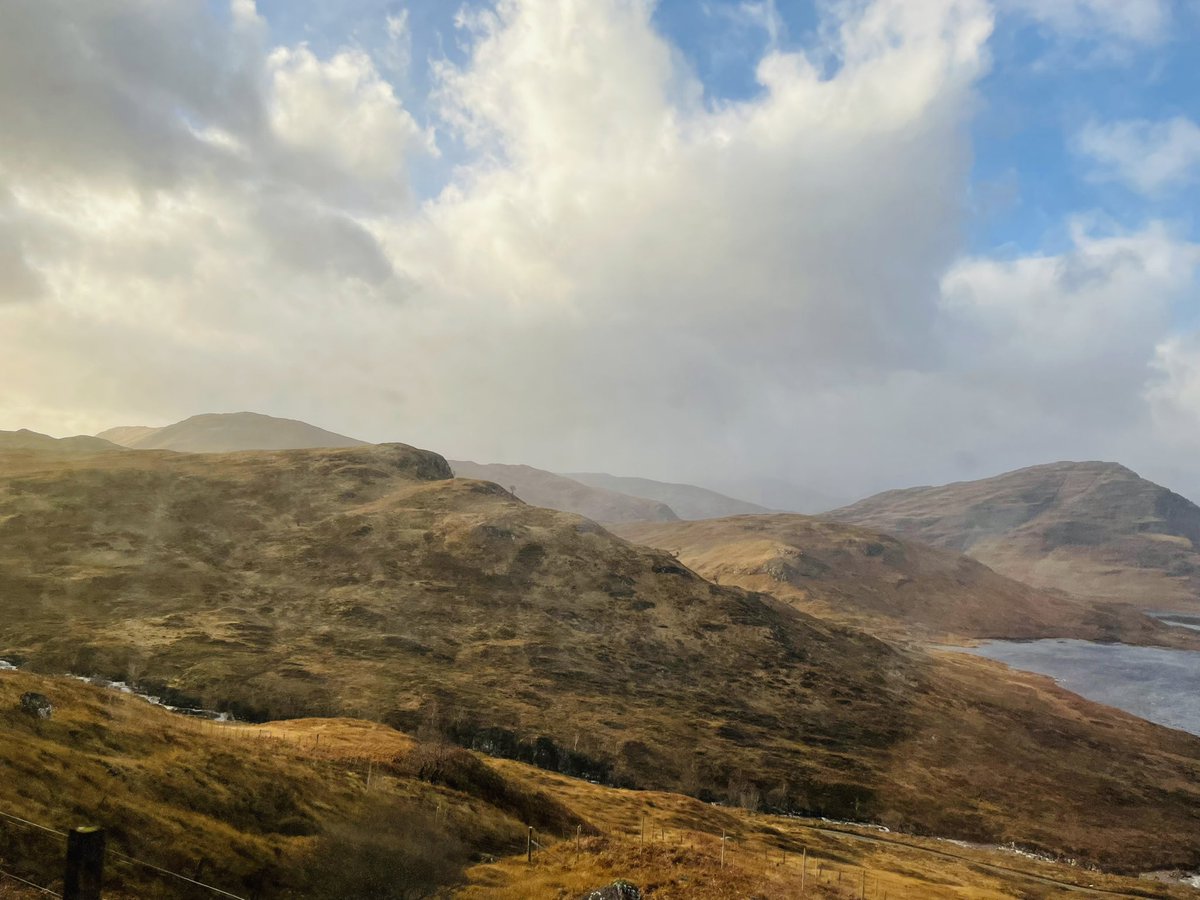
803, 870
85, 864
529, 846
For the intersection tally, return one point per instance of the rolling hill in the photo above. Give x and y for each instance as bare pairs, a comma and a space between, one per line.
228, 432
369, 582
686, 500
886, 585
541, 488
1093, 529
24, 439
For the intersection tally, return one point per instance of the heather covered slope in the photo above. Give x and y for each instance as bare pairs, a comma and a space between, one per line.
876, 581
541, 488
369, 582
1094, 529
228, 432
686, 500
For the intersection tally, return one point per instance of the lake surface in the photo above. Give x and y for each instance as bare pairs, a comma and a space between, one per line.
1156, 684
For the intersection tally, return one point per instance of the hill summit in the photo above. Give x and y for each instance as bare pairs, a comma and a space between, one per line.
228, 433
1094, 529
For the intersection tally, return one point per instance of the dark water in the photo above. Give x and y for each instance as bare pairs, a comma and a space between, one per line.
1156, 684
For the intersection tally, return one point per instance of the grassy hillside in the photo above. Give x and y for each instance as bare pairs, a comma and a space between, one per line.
540, 488
1093, 529
368, 582
889, 586
343, 808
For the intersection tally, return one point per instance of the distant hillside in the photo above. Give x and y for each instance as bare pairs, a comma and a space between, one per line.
370, 582
228, 432
780, 495
1094, 529
541, 488
686, 500
24, 439
874, 580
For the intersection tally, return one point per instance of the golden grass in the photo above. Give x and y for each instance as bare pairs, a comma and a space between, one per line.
174, 790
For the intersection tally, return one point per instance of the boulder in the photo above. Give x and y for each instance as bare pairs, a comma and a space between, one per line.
618, 890
38, 705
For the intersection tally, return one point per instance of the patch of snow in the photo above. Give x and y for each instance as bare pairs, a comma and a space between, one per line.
6, 666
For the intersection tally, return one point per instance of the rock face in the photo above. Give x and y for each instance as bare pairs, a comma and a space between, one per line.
37, 705
618, 890
1093, 529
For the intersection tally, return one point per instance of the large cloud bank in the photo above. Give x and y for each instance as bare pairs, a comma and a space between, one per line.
620, 272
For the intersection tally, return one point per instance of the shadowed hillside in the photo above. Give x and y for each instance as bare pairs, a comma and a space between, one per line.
1093, 529
686, 500
228, 432
369, 582
541, 488
875, 580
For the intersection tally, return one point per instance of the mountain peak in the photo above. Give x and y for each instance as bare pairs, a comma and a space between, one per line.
1092, 528
229, 432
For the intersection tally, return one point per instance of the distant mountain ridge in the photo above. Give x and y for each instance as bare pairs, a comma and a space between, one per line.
24, 439
1093, 529
541, 488
687, 500
229, 433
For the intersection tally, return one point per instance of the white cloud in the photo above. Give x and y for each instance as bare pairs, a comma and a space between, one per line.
1113, 21
341, 112
1174, 395
1148, 156
1071, 334
619, 273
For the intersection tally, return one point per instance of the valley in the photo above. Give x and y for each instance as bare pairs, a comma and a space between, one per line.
368, 582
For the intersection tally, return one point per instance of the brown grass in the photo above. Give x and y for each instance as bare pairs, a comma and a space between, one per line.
365, 583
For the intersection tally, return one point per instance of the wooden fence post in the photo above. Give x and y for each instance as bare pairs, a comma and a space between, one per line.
529, 846
85, 864
803, 870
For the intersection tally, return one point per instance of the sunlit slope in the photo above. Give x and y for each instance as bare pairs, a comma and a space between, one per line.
369, 582
859, 575
1094, 529
336, 808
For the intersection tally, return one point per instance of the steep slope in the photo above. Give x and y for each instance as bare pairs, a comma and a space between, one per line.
341, 808
1094, 529
228, 432
541, 488
24, 439
873, 580
369, 582
686, 500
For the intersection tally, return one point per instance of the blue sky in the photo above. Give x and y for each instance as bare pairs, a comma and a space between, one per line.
848, 244
1044, 86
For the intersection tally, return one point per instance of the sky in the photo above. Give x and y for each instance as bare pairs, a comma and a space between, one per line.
849, 245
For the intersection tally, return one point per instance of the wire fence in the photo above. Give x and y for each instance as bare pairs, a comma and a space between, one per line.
21, 822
